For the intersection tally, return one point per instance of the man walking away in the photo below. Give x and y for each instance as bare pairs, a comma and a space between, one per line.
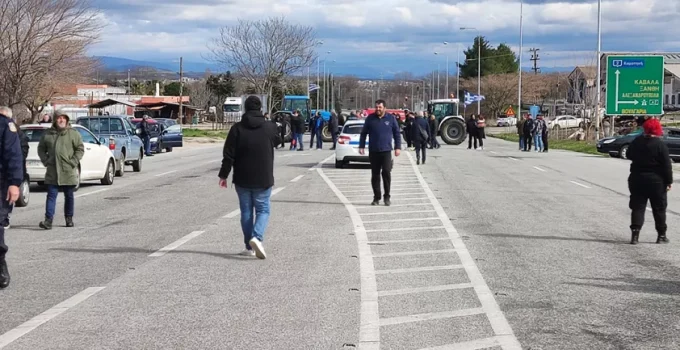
520, 132
408, 124
281, 127
333, 128
11, 176
545, 135
60, 150
382, 128
249, 150
24, 151
651, 177
420, 134
434, 129
146, 135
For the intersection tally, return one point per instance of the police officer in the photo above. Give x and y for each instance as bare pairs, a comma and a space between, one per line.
11, 176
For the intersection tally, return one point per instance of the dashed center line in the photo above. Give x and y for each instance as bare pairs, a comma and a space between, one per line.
176, 244
513, 158
92, 192
579, 184
297, 178
539, 169
166, 173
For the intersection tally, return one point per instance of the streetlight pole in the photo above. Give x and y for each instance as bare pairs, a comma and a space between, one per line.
479, 67
519, 69
447, 70
317, 78
599, 71
458, 72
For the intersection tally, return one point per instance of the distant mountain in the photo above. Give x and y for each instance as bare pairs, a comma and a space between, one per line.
123, 64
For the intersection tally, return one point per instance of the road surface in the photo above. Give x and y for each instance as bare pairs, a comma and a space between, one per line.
479, 250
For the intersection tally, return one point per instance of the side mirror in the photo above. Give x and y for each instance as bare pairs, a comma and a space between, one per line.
102, 140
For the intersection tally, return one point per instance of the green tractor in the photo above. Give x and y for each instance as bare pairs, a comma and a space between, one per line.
451, 125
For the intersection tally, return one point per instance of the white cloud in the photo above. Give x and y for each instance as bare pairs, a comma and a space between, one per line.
402, 27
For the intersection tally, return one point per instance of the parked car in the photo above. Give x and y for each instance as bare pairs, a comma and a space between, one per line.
567, 122
347, 148
98, 161
166, 121
120, 136
506, 121
617, 146
163, 136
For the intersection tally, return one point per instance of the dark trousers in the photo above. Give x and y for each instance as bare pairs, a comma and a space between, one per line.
312, 133
407, 136
472, 137
334, 135
51, 202
545, 142
283, 135
481, 141
433, 141
319, 138
421, 146
4, 215
381, 164
643, 188
527, 141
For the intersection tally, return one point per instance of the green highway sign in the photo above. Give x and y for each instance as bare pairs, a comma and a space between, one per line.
634, 85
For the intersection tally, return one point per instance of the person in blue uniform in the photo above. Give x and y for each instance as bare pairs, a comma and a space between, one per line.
11, 176
24, 150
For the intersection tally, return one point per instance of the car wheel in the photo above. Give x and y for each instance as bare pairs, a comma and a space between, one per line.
168, 149
623, 153
121, 166
24, 194
109, 174
137, 164
339, 164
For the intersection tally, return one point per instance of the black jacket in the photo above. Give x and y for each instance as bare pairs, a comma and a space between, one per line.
650, 159
333, 124
249, 149
297, 125
24, 147
419, 123
471, 126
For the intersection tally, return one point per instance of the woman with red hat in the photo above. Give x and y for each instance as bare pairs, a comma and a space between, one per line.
651, 177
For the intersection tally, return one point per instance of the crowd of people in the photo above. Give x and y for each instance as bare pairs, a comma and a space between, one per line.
533, 131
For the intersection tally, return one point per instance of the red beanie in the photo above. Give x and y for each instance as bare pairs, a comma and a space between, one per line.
652, 127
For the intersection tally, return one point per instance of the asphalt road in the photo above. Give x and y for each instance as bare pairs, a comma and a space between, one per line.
479, 250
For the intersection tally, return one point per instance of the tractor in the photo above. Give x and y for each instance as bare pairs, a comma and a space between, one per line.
292, 103
451, 125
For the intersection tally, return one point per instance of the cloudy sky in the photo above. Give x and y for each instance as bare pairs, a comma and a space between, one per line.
396, 35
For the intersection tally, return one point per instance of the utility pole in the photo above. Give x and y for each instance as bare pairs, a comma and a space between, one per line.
599, 73
180, 114
518, 113
129, 89
535, 59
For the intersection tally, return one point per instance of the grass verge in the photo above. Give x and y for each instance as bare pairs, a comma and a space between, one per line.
219, 134
568, 145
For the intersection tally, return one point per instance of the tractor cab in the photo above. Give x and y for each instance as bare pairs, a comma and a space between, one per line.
451, 124
292, 103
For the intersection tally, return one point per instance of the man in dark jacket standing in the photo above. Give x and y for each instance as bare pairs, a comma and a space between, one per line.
382, 128
420, 134
249, 150
333, 128
24, 151
145, 134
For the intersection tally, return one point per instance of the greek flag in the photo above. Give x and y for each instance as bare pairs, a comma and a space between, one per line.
313, 87
472, 98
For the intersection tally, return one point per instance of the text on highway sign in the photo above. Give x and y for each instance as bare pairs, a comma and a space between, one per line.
634, 85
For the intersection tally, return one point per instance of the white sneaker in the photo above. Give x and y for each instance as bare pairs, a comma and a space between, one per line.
257, 247
247, 252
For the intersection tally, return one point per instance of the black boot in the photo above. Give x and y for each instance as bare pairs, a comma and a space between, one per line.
375, 202
418, 161
387, 201
46, 224
4, 274
69, 221
662, 238
635, 236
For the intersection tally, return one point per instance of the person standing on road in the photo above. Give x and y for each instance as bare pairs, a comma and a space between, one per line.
481, 124
24, 151
145, 134
249, 150
471, 127
544, 135
520, 132
383, 129
297, 126
60, 150
318, 131
528, 127
434, 129
651, 177
420, 135
408, 125
537, 133
333, 128
11, 176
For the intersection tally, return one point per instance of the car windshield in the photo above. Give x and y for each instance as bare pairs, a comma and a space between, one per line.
354, 129
34, 134
232, 108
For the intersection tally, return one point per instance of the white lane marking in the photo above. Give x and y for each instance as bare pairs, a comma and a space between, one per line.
92, 192
513, 158
493, 152
579, 184
236, 212
176, 244
539, 169
397, 241
397, 220
419, 269
166, 173
417, 252
369, 321
406, 229
399, 212
322, 162
371, 195
369, 179
55, 311
297, 178
415, 290
397, 199
371, 191
392, 206
430, 316
496, 317
484, 343
295, 154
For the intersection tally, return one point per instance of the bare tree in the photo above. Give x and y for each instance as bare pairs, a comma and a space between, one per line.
499, 91
39, 41
199, 94
263, 52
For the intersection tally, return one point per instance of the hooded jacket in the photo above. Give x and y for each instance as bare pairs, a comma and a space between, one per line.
60, 151
249, 150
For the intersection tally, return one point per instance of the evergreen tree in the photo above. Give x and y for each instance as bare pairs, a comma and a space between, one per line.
469, 68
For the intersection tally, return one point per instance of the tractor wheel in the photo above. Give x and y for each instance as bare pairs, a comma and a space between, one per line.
453, 131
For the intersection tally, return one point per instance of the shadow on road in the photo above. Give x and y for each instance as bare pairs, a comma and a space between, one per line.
630, 283
132, 250
555, 238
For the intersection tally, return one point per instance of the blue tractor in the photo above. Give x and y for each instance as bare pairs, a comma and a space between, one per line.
302, 103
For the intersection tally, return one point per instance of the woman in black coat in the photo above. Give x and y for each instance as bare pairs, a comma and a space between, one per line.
471, 127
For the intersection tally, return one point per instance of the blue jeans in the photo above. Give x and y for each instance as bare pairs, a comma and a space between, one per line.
298, 136
147, 144
538, 142
51, 202
254, 200
521, 142
319, 137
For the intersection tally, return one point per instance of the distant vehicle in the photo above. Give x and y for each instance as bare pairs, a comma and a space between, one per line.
347, 148
233, 109
120, 136
292, 103
617, 146
163, 137
451, 124
504, 120
166, 121
98, 162
567, 122
399, 113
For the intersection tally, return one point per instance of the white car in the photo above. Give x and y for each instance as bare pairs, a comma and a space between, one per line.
566, 122
347, 148
97, 163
